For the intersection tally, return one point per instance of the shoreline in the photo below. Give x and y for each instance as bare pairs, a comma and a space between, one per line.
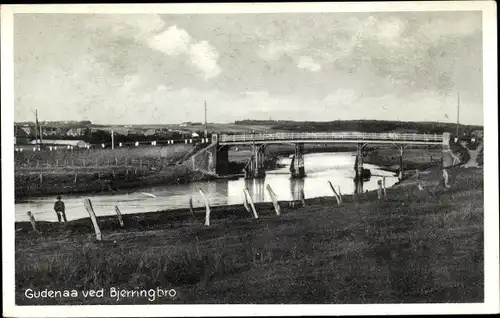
178, 214
108, 179
381, 247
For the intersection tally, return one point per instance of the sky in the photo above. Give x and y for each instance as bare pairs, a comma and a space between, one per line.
159, 69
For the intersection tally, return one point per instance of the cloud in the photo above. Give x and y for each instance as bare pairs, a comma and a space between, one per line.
440, 28
153, 32
204, 57
307, 63
274, 51
175, 41
172, 41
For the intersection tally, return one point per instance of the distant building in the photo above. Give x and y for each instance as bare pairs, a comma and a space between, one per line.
50, 131
189, 123
21, 135
150, 132
74, 132
74, 143
25, 129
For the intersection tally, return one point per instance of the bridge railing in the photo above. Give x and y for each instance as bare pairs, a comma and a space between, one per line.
331, 136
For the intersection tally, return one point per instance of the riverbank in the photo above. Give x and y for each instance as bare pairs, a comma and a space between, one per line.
415, 246
59, 180
98, 180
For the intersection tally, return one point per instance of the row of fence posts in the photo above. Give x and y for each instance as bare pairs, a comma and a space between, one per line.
247, 203
136, 144
85, 163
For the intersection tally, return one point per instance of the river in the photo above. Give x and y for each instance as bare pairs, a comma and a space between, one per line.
320, 168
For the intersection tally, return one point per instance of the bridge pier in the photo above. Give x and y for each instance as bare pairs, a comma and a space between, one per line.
297, 169
255, 168
358, 163
358, 186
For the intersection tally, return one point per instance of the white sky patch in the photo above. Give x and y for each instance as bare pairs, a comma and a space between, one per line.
307, 63
341, 97
275, 51
100, 62
161, 88
173, 41
204, 57
131, 81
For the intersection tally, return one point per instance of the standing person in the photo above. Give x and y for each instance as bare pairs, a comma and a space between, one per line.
60, 210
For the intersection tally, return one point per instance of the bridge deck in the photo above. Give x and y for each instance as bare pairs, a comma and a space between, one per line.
332, 137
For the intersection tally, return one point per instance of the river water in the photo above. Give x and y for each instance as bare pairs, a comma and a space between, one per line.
320, 168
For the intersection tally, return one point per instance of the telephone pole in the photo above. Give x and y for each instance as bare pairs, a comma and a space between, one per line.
206, 126
458, 113
36, 125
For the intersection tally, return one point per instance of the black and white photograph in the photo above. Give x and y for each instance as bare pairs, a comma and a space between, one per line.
273, 154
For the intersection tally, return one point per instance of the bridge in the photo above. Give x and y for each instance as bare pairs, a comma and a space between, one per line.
330, 137
214, 158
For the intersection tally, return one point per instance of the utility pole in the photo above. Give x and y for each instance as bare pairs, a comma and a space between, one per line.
206, 125
458, 113
41, 134
36, 126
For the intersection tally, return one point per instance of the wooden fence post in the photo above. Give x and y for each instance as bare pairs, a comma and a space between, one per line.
245, 202
191, 209
76, 174
41, 179
119, 214
340, 195
379, 189
383, 186
273, 198
302, 197
83, 160
445, 178
116, 161
335, 193
33, 221
90, 210
57, 162
251, 203
207, 205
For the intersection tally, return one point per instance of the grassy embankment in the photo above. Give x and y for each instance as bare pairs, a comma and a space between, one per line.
98, 170
413, 247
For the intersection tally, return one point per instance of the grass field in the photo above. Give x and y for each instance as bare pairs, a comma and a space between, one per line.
412, 247
99, 170
126, 156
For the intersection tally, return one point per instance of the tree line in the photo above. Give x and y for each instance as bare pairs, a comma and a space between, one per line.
376, 126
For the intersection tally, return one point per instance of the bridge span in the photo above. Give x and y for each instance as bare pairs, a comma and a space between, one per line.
214, 158
330, 137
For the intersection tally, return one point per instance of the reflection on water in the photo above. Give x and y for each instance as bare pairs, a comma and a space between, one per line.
320, 168
296, 186
358, 185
